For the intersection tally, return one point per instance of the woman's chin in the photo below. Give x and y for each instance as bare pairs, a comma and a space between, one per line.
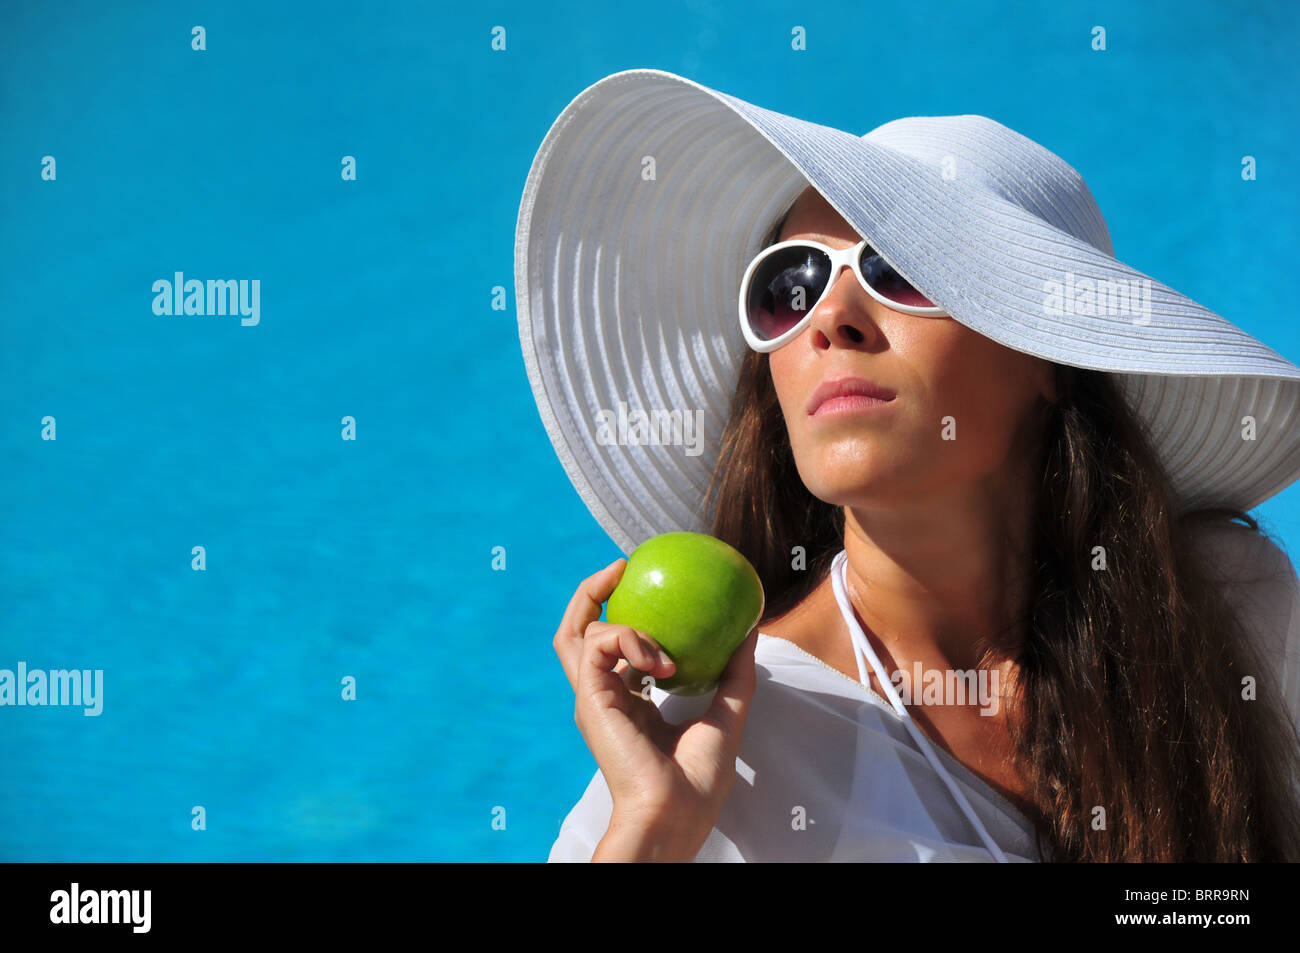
852, 487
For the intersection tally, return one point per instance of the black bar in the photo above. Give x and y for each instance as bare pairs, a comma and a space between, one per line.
331, 902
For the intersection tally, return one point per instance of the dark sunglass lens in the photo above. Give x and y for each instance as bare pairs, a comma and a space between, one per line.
782, 289
881, 276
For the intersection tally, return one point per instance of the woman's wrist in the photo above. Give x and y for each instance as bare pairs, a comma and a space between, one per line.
638, 841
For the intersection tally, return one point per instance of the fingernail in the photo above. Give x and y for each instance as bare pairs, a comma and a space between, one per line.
663, 657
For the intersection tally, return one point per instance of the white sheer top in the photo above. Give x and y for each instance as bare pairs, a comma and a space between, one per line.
828, 770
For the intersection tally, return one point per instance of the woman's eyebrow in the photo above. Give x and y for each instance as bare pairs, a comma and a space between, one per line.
820, 237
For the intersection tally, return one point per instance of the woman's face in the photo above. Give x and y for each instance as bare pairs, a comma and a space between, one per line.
937, 367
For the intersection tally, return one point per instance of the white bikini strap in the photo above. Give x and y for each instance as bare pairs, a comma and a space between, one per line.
863, 647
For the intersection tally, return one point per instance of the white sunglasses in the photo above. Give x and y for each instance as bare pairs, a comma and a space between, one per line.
783, 279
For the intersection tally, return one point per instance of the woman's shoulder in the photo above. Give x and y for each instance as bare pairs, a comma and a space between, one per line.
1239, 544
1247, 562
1259, 580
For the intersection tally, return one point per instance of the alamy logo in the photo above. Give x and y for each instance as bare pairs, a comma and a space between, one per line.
656, 428
1079, 294
102, 906
948, 687
218, 296
55, 687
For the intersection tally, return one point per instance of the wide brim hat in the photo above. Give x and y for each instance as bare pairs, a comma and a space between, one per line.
651, 193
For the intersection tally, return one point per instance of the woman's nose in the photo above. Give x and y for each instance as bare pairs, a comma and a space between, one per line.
843, 317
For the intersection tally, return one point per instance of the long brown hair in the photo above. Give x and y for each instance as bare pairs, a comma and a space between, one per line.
1128, 685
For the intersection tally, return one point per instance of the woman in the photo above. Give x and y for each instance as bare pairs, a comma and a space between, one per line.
963, 471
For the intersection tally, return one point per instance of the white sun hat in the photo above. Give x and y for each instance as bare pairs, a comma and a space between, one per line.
651, 193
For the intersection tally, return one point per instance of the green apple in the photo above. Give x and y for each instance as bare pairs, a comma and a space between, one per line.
697, 597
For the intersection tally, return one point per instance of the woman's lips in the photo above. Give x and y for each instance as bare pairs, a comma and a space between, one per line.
853, 404
847, 394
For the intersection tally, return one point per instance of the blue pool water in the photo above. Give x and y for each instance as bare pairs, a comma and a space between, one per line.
373, 558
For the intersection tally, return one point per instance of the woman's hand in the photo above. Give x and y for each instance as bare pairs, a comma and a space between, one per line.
667, 781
